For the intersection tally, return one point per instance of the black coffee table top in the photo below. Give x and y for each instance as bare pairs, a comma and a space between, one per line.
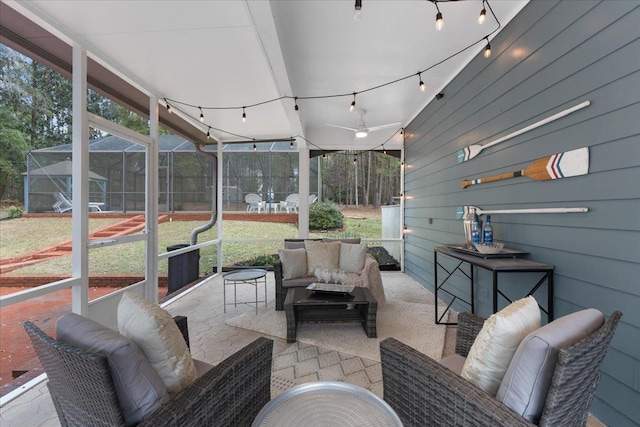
302, 296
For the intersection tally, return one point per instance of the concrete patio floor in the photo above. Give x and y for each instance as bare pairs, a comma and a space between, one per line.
212, 340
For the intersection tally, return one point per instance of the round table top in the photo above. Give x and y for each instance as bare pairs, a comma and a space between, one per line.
240, 275
327, 403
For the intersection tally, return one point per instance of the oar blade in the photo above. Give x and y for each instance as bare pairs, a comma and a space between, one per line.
570, 163
468, 153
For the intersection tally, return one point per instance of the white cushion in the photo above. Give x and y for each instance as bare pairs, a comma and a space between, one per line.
493, 348
527, 380
139, 388
352, 257
321, 254
156, 333
294, 263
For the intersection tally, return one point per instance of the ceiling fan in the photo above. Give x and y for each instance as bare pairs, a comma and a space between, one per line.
362, 130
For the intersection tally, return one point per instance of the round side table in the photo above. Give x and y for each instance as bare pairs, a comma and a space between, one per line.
327, 403
250, 277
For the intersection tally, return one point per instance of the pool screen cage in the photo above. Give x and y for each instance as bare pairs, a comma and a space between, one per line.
186, 178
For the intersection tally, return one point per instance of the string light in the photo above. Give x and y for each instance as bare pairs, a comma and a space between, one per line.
401, 131
324, 156
357, 13
384, 150
439, 20
352, 107
483, 14
209, 133
487, 50
291, 144
255, 148
355, 161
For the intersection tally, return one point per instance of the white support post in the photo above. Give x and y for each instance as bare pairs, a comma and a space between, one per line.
403, 168
151, 204
219, 178
80, 177
303, 192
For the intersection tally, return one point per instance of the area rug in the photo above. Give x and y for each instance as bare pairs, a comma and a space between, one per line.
409, 322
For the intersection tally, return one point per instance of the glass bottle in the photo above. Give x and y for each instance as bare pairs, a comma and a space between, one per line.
475, 230
487, 231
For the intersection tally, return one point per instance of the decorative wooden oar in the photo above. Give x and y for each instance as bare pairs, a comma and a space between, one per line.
471, 151
463, 211
556, 166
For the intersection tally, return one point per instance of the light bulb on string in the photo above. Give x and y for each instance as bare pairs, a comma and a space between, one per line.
296, 104
324, 156
353, 103
201, 115
291, 145
357, 12
168, 107
439, 20
209, 133
255, 148
487, 50
384, 150
483, 14
244, 117
355, 161
422, 86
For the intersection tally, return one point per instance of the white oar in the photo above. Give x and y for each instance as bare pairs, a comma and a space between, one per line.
471, 151
464, 210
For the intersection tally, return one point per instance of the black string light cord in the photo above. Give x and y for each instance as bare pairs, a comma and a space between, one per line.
173, 103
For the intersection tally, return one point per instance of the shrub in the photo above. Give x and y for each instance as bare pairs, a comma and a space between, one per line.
14, 212
325, 216
259, 261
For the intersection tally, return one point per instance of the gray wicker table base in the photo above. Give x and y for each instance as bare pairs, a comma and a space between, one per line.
305, 306
327, 403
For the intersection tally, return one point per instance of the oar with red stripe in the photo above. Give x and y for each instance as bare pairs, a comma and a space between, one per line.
556, 166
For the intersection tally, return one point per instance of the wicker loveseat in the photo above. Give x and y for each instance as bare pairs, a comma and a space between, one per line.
368, 276
83, 391
423, 391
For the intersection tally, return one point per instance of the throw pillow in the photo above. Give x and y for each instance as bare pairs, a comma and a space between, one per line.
527, 380
352, 257
294, 263
493, 348
139, 388
321, 254
157, 334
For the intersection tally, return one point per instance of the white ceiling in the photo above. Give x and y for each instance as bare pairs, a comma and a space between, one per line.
239, 53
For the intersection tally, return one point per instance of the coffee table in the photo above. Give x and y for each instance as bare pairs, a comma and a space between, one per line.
303, 305
327, 403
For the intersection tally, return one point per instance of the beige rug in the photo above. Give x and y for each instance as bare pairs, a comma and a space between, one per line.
410, 322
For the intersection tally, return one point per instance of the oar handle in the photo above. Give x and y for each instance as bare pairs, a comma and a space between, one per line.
467, 182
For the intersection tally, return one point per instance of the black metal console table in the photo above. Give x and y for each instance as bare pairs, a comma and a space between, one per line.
496, 266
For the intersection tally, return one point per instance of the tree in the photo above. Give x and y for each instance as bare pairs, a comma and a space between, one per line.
13, 153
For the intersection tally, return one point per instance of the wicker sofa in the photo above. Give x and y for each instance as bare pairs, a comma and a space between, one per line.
83, 391
425, 392
368, 277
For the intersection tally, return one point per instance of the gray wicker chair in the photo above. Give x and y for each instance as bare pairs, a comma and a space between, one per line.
423, 392
230, 394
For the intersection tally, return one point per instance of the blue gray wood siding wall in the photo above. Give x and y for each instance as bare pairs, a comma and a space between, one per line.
551, 56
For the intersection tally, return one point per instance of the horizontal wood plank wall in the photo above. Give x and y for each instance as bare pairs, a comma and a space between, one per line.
550, 57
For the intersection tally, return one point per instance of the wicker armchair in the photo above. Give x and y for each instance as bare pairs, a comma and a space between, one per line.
423, 392
230, 394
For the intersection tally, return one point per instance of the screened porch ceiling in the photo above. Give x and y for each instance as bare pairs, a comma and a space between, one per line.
234, 54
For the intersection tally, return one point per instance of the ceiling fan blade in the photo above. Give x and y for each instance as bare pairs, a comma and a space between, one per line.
342, 127
389, 125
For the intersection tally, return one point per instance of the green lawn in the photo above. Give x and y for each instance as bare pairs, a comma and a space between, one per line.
26, 235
